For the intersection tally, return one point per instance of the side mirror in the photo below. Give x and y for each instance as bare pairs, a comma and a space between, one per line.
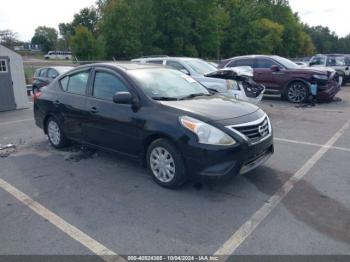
275, 68
54, 77
185, 71
123, 98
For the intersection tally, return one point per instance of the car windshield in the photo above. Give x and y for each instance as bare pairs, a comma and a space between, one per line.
163, 83
200, 66
286, 62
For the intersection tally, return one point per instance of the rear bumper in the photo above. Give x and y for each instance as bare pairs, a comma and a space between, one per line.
328, 92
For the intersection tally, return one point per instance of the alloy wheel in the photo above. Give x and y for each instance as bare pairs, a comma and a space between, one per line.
297, 92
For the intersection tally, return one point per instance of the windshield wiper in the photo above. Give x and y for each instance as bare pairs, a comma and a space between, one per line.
194, 95
165, 98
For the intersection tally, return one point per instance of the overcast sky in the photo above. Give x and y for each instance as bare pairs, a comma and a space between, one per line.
23, 16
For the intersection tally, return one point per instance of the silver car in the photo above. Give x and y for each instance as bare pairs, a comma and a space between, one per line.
230, 84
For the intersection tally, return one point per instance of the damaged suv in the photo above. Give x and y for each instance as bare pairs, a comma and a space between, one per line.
282, 76
238, 84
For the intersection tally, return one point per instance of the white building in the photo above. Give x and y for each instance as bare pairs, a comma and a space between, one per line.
13, 94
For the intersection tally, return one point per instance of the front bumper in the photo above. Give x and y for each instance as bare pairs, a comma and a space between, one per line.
327, 93
239, 159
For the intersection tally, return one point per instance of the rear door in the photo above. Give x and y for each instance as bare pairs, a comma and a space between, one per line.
7, 98
71, 102
111, 125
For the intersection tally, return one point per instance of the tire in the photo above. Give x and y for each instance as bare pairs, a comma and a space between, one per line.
297, 92
170, 172
55, 134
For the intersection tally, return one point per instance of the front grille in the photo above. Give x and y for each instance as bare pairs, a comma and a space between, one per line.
255, 131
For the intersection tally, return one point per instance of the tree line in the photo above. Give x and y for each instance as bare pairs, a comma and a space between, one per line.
211, 29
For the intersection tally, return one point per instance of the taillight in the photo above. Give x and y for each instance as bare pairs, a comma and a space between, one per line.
36, 95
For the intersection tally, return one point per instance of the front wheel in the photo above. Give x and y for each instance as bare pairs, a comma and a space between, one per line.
165, 164
297, 92
54, 133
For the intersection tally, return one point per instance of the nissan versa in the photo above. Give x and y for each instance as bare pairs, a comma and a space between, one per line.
162, 117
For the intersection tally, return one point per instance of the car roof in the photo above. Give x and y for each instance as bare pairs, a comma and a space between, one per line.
253, 56
165, 58
125, 66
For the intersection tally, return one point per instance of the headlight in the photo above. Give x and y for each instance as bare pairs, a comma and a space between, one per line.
320, 77
206, 134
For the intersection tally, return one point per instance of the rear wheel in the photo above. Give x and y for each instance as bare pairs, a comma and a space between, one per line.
297, 92
54, 133
165, 164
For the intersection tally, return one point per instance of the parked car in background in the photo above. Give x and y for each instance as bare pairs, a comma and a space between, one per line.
340, 63
59, 55
201, 70
282, 76
44, 76
160, 116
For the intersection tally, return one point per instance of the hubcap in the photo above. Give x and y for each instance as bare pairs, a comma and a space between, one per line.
54, 133
297, 93
162, 164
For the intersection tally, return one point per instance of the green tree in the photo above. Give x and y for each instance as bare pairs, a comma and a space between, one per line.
129, 28
8, 38
265, 36
87, 17
85, 46
46, 37
66, 31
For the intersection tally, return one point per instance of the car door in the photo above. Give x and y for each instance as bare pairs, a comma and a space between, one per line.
264, 75
71, 102
111, 125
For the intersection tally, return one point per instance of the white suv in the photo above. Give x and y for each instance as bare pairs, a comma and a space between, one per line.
340, 63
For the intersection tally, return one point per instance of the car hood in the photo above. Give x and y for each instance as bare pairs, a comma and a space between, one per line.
308, 70
212, 108
320, 68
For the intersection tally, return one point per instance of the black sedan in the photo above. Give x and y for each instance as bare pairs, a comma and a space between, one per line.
162, 117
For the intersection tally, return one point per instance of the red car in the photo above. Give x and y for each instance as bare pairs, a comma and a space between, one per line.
284, 77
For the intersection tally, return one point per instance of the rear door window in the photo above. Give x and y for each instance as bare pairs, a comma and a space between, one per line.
106, 85
52, 73
242, 62
43, 72
76, 83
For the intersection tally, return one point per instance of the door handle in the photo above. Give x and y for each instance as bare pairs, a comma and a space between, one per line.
56, 102
94, 110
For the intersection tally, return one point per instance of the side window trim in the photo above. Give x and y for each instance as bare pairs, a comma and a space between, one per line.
88, 70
